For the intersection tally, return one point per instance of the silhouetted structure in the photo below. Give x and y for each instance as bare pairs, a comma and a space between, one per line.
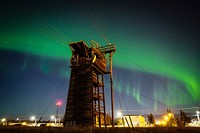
86, 99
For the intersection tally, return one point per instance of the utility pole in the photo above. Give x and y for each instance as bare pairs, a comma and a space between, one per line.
112, 91
58, 104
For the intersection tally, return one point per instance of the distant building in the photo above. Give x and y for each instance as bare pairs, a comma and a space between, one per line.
133, 120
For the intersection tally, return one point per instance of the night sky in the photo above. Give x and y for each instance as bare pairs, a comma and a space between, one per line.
156, 65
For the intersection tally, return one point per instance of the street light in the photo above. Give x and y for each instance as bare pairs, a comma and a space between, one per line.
3, 119
33, 118
53, 118
120, 117
119, 114
18, 119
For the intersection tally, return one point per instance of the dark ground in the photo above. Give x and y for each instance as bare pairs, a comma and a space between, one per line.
13, 129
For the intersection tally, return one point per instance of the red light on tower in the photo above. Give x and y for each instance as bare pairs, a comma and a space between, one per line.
58, 103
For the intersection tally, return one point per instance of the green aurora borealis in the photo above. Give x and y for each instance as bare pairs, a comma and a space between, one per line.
153, 45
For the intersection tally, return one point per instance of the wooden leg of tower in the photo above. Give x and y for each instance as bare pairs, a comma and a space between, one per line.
104, 107
99, 104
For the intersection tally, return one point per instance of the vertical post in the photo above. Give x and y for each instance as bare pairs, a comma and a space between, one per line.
127, 122
56, 114
131, 121
112, 92
58, 104
99, 105
96, 107
93, 106
104, 106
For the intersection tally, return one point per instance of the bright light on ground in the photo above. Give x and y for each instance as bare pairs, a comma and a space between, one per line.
32, 118
52, 117
3, 120
157, 122
119, 114
170, 114
166, 118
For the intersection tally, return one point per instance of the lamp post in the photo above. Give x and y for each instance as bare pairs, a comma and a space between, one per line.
58, 104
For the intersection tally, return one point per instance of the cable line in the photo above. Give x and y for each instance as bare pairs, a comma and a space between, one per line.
49, 30
51, 101
94, 20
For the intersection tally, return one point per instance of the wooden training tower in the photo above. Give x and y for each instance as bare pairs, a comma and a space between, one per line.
86, 100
